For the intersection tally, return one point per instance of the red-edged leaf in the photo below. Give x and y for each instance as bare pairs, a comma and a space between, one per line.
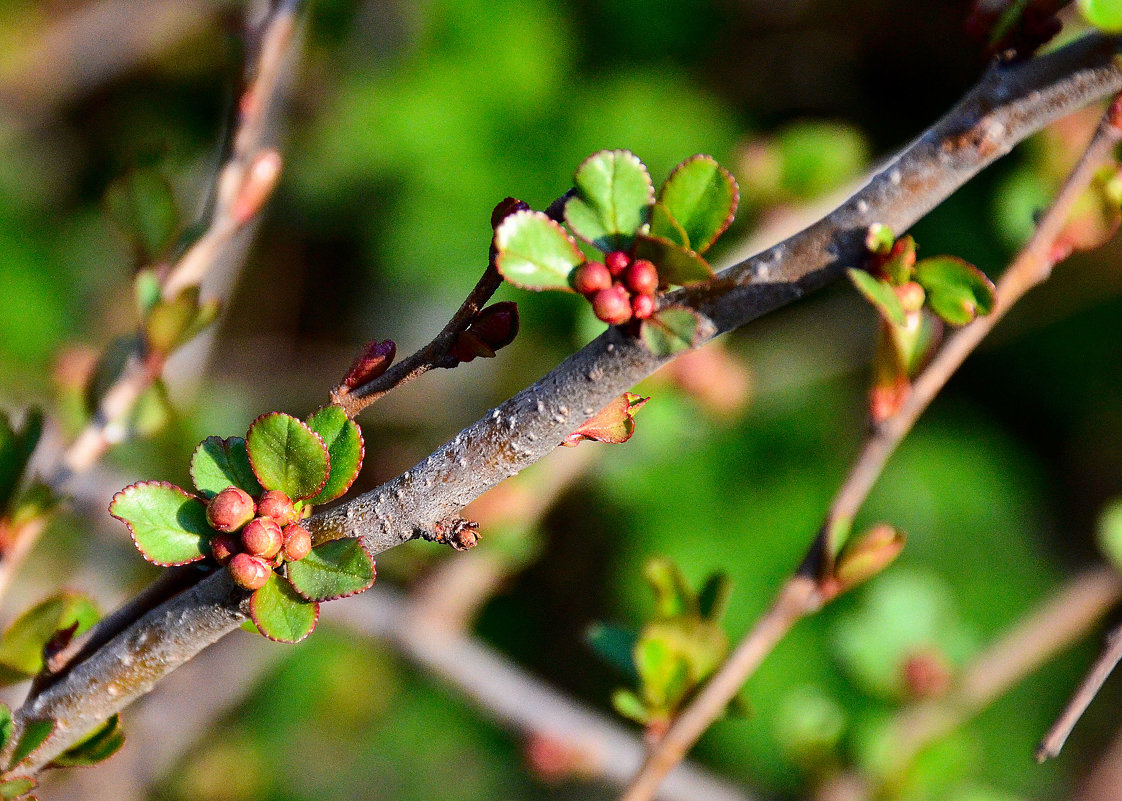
168, 524
615, 423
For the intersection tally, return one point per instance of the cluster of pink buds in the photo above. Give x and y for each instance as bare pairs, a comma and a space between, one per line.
256, 537
619, 288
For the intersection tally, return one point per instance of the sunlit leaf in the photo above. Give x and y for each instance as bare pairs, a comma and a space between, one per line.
535, 252
614, 193
335, 569
220, 463
345, 447
167, 524
701, 196
286, 455
614, 424
880, 293
280, 614
22, 644
956, 290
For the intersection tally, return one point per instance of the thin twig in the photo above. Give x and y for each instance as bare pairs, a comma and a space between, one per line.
802, 594
1010, 103
1057, 735
435, 354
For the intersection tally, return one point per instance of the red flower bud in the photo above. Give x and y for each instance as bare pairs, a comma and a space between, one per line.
277, 505
297, 542
492, 328
612, 305
249, 572
591, 277
617, 262
375, 358
642, 306
641, 276
224, 546
230, 509
262, 537
506, 207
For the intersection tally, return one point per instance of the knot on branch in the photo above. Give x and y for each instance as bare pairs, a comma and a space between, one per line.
461, 534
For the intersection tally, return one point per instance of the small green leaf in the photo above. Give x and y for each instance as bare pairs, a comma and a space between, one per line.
5, 725
535, 252
864, 557
97, 746
287, 455
170, 321
16, 447
713, 600
956, 290
664, 226
333, 570
630, 706
673, 596
343, 439
614, 194
614, 645
901, 262
1105, 15
146, 287
35, 733
880, 294
280, 614
671, 330
14, 788
676, 264
22, 644
167, 523
701, 196
220, 463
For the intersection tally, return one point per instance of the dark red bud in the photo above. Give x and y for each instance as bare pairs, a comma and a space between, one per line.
642, 277
497, 325
262, 537
612, 305
506, 207
591, 277
224, 546
642, 306
468, 346
277, 505
374, 360
617, 262
249, 572
230, 509
297, 542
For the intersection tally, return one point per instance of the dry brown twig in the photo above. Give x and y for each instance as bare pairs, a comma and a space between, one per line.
809, 588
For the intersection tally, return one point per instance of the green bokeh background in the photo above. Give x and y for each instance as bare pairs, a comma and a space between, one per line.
408, 122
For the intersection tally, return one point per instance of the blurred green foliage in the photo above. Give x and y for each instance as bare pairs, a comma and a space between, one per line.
409, 122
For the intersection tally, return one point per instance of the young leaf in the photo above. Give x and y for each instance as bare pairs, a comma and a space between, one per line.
880, 294
167, 523
18, 786
15, 451
614, 424
280, 614
701, 196
670, 330
865, 556
673, 596
614, 645
170, 321
535, 252
5, 725
664, 226
97, 746
21, 646
614, 194
956, 290
676, 264
333, 570
220, 463
345, 447
287, 455
35, 733
630, 706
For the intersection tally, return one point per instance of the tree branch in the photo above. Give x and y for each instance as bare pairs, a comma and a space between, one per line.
1009, 104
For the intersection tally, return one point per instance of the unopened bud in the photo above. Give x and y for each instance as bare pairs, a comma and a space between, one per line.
641, 276
260, 181
224, 546
375, 358
230, 509
277, 505
506, 207
612, 305
591, 277
617, 262
249, 572
262, 537
642, 306
297, 542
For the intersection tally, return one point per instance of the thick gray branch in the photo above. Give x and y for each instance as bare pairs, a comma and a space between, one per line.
1010, 103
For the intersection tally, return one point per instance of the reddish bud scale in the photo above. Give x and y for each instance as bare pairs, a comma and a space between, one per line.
374, 360
262, 537
617, 262
591, 277
496, 325
278, 506
249, 572
612, 305
297, 542
230, 509
223, 547
641, 277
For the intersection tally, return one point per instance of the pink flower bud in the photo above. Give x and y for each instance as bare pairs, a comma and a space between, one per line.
249, 572
297, 542
230, 509
277, 505
262, 537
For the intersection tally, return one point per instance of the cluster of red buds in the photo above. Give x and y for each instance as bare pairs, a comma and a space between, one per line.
619, 288
256, 537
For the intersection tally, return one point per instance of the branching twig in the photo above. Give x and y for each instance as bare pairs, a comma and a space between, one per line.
809, 589
1012, 102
